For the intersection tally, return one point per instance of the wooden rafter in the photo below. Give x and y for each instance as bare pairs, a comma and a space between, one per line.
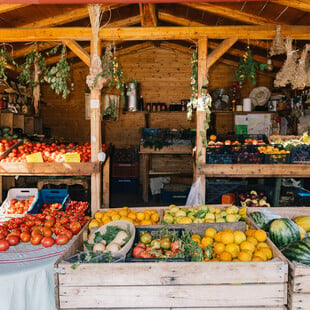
230, 13
67, 17
148, 14
78, 50
170, 18
154, 33
303, 5
40, 47
10, 7
220, 50
135, 48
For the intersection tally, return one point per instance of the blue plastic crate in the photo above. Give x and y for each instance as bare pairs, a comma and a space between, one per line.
51, 196
302, 197
125, 185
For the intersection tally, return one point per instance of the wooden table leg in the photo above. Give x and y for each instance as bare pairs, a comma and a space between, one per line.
145, 161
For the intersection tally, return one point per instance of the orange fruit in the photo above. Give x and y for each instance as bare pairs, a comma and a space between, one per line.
217, 236
140, 216
213, 137
132, 215
260, 245
205, 241
249, 232
260, 235
260, 254
268, 252
257, 259
252, 240
155, 217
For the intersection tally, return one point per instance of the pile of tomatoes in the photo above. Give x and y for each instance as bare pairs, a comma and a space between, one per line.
19, 206
50, 152
51, 226
5, 144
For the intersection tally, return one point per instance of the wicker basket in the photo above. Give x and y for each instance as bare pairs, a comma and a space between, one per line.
121, 224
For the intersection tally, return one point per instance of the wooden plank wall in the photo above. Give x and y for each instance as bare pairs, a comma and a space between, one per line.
164, 76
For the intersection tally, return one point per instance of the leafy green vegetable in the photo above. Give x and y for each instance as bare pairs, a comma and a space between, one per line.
109, 235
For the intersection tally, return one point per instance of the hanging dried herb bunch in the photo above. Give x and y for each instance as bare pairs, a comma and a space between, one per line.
278, 44
247, 67
5, 60
287, 73
193, 84
300, 79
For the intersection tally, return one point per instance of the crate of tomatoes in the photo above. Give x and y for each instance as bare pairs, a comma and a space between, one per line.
18, 202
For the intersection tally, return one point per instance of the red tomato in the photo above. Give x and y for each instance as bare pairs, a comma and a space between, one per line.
47, 242
15, 232
36, 239
12, 239
62, 239
25, 237
36, 232
2, 236
4, 245
47, 232
75, 227
68, 233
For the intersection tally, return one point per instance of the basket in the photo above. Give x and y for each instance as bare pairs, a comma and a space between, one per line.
300, 153
51, 196
121, 224
19, 194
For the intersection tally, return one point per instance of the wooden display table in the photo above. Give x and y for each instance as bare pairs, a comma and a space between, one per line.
146, 158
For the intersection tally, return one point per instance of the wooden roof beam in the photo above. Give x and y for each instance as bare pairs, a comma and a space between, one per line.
78, 51
220, 50
170, 18
67, 17
148, 14
10, 7
154, 33
230, 13
303, 5
135, 48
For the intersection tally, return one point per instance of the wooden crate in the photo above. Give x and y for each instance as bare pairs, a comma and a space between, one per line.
171, 285
299, 274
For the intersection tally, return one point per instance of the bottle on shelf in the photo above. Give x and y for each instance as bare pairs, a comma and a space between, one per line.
141, 104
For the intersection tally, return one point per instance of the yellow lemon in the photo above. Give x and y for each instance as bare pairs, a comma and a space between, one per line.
227, 237
252, 239
233, 249
267, 251
123, 212
260, 254
205, 241
98, 215
132, 215
245, 256
93, 223
155, 217
247, 245
146, 222
115, 217
108, 220
260, 235
196, 237
257, 259
249, 232
219, 248
218, 236
239, 236
210, 232
260, 245
225, 256
140, 216
184, 220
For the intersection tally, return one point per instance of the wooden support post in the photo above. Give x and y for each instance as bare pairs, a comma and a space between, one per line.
220, 50
95, 116
201, 115
106, 183
145, 162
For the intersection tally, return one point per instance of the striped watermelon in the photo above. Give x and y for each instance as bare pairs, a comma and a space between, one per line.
258, 218
283, 231
298, 251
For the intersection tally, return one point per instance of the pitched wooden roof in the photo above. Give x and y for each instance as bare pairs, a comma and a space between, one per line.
218, 19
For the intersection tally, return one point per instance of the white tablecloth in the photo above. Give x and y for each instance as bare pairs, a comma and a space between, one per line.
27, 277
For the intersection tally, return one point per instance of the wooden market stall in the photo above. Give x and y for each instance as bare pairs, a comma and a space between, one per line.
169, 33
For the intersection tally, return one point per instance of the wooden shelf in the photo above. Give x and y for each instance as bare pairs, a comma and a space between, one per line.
48, 169
256, 170
173, 149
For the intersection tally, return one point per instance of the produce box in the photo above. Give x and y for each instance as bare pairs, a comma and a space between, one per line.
299, 274
51, 196
171, 285
18, 194
174, 193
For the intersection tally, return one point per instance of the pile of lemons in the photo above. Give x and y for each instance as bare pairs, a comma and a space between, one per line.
143, 217
228, 245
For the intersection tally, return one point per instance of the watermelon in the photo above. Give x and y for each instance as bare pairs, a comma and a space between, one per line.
283, 231
298, 251
258, 218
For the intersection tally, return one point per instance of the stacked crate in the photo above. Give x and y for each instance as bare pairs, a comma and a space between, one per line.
125, 171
